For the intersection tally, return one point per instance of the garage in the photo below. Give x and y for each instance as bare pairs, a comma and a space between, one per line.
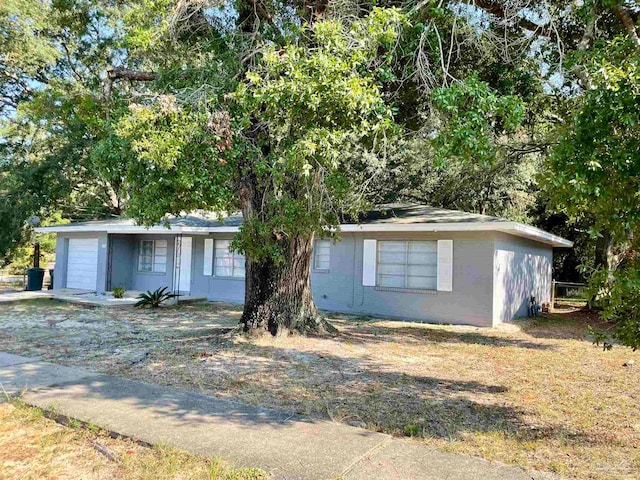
82, 263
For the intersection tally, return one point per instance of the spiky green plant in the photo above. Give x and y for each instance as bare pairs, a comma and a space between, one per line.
154, 299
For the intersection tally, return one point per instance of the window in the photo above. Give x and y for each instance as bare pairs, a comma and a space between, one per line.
152, 256
408, 264
321, 254
227, 263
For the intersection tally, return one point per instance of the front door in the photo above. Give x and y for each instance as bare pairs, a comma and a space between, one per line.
182, 277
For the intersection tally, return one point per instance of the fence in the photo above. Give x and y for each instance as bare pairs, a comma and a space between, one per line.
570, 293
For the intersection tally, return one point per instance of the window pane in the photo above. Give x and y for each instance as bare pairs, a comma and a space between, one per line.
422, 270
422, 258
223, 271
238, 272
238, 262
391, 269
392, 257
426, 283
146, 247
160, 264
322, 254
431, 246
145, 258
391, 281
159, 255
387, 246
322, 260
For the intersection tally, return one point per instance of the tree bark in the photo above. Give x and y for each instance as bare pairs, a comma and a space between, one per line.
278, 297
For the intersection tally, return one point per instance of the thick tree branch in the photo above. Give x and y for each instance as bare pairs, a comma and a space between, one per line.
116, 73
628, 23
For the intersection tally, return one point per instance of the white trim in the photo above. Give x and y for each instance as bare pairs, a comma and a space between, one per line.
208, 257
182, 264
445, 266
369, 262
513, 228
159, 229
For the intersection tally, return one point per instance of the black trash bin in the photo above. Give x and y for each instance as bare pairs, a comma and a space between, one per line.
35, 276
51, 277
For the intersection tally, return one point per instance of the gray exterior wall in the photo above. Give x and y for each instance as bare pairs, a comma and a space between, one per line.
470, 302
214, 288
62, 252
521, 268
144, 280
493, 276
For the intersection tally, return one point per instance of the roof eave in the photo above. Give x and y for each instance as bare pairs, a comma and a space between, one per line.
512, 228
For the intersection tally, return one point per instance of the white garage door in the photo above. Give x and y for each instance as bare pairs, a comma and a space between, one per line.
82, 263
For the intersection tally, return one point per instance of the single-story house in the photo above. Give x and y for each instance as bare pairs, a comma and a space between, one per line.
402, 261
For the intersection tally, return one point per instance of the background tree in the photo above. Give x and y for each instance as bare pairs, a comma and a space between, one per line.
57, 149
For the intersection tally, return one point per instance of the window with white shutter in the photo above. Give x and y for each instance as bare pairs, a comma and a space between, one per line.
407, 264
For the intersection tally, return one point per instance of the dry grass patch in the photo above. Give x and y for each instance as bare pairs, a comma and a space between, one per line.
34, 447
536, 393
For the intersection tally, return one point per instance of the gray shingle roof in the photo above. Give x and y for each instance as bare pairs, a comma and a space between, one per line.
399, 213
397, 217
389, 213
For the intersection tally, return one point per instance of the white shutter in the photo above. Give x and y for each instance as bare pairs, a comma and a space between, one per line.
369, 263
208, 256
445, 265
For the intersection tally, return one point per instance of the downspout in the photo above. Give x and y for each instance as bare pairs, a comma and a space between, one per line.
177, 266
109, 262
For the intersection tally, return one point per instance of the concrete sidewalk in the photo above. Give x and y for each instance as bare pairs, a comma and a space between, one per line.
288, 446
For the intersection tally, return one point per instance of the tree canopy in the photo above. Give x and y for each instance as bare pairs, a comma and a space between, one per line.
298, 113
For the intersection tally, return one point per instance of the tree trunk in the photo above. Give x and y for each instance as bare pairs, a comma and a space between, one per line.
278, 296
606, 255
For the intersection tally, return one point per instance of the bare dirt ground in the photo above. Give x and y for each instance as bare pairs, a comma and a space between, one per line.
535, 393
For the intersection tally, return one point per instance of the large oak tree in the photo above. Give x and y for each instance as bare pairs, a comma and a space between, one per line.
300, 112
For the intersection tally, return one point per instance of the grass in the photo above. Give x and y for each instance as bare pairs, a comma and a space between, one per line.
536, 393
34, 447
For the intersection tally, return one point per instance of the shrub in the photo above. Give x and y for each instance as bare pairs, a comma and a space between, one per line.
618, 295
118, 292
154, 299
